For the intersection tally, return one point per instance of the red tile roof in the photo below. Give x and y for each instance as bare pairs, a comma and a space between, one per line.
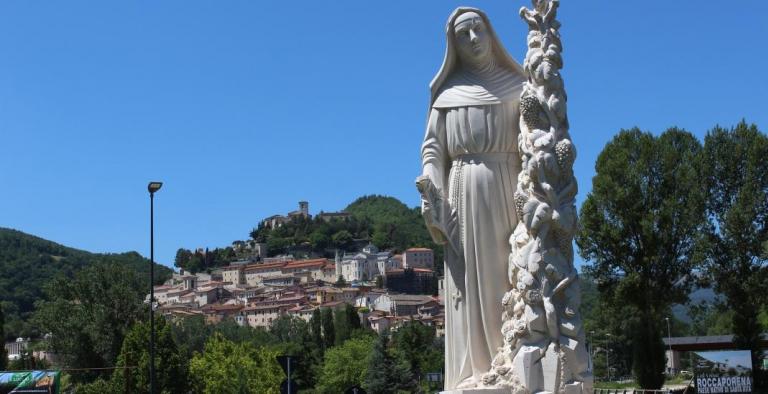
221, 308
331, 304
306, 263
266, 266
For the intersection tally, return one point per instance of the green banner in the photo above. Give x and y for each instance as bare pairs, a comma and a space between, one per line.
47, 382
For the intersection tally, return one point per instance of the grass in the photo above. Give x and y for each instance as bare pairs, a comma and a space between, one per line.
614, 385
677, 380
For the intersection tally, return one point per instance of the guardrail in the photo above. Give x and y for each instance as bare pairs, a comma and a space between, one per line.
639, 391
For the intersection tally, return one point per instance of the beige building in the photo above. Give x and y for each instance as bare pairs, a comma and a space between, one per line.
263, 315
255, 273
161, 293
216, 313
418, 258
403, 304
314, 267
234, 274
329, 274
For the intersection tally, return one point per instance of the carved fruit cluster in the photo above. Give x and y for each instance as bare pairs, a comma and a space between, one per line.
530, 109
565, 153
520, 200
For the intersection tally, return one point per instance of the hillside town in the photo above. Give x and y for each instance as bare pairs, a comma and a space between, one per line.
387, 289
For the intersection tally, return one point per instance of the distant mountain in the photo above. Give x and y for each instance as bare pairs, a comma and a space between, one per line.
697, 296
28, 262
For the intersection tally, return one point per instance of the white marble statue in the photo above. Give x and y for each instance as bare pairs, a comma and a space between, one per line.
498, 191
470, 158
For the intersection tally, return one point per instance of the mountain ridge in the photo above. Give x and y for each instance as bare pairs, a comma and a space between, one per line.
28, 262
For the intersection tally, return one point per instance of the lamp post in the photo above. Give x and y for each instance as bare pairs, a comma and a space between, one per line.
152, 188
669, 345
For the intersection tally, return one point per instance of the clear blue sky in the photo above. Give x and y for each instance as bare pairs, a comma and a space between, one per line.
244, 108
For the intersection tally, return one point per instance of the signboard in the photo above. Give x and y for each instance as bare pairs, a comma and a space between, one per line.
723, 372
46, 382
434, 377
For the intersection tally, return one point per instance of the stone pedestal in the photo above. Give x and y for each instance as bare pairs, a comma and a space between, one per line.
478, 391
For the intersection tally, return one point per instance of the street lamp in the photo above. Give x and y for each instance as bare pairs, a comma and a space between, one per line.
152, 188
669, 344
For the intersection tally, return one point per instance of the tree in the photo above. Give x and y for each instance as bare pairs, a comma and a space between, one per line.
346, 321
342, 239
287, 328
196, 262
319, 240
89, 315
294, 337
345, 366
639, 228
710, 319
316, 326
329, 331
229, 368
385, 375
736, 181
340, 282
170, 361
190, 333
98, 386
182, 258
414, 345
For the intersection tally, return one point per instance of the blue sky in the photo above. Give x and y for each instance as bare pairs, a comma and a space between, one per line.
244, 108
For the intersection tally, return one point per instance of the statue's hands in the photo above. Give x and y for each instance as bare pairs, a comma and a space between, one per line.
426, 189
431, 206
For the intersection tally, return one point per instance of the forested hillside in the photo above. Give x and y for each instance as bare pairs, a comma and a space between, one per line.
393, 224
27, 263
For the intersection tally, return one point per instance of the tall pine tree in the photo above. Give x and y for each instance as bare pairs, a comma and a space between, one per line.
329, 331
385, 374
639, 227
736, 180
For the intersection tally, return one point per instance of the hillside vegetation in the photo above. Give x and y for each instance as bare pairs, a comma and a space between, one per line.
28, 263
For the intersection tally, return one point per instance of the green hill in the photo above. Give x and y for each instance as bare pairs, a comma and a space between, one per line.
27, 263
384, 221
393, 224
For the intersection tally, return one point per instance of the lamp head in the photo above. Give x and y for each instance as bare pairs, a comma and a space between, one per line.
154, 186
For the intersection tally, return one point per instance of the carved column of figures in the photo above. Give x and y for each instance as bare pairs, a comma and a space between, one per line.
544, 349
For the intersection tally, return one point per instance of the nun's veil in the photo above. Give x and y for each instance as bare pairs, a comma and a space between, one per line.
451, 60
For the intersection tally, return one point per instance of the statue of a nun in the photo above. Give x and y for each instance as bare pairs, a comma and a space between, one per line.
470, 166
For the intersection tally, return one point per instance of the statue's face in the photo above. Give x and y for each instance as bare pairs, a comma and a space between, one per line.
472, 39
